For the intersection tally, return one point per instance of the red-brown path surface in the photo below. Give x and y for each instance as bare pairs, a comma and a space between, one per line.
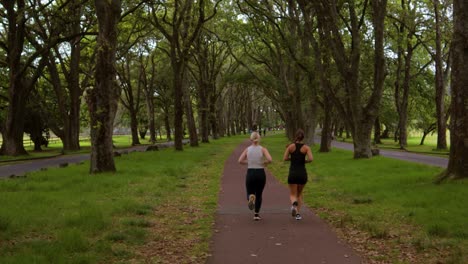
278, 237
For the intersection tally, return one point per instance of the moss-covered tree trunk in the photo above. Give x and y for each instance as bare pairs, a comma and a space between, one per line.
103, 98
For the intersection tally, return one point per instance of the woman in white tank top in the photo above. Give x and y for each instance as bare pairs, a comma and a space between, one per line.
256, 157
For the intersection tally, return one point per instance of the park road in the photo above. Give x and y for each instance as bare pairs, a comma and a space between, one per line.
278, 237
401, 155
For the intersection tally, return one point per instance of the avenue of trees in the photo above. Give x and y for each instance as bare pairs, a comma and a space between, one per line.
369, 69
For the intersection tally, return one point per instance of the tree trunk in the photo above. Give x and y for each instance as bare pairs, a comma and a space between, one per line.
167, 125
403, 124
204, 113
379, 10
426, 131
458, 160
326, 138
69, 110
152, 125
178, 103
130, 100
151, 122
192, 127
12, 144
403, 114
322, 67
423, 138
362, 142
74, 83
377, 132
18, 90
149, 94
103, 98
56, 83
213, 118
439, 84
134, 127
311, 116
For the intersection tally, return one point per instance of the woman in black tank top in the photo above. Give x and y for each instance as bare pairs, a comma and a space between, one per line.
297, 178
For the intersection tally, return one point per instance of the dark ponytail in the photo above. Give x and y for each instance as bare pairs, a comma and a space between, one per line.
299, 135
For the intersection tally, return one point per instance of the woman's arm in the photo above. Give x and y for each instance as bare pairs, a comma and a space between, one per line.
243, 157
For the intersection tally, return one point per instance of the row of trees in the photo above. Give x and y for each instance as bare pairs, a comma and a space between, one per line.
213, 67
61, 58
369, 64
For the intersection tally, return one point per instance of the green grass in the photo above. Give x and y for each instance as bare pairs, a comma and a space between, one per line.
386, 198
55, 148
135, 215
68, 216
429, 147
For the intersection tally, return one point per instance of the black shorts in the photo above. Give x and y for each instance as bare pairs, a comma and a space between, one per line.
297, 176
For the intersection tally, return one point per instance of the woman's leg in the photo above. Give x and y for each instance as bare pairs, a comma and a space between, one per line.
249, 183
300, 188
293, 193
259, 186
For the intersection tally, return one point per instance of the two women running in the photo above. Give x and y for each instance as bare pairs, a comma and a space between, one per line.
256, 157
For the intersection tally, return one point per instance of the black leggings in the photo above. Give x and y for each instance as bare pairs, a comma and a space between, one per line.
254, 183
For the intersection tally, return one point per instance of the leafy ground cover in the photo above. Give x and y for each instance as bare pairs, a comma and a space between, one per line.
389, 210
158, 208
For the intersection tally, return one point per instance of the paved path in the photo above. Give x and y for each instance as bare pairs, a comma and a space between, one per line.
277, 238
408, 156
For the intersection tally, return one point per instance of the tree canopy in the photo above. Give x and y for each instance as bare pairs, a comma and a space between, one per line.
204, 69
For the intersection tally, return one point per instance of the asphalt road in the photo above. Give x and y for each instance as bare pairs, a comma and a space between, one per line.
401, 155
21, 168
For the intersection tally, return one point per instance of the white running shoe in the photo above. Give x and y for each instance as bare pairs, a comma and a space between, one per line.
298, 217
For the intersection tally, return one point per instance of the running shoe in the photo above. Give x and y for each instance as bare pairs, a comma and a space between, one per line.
257, 217
251, 201
298, 217
293, 211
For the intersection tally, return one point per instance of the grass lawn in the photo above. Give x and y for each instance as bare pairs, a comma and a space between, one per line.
55, 148
429, 147
157, 208
387, 208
